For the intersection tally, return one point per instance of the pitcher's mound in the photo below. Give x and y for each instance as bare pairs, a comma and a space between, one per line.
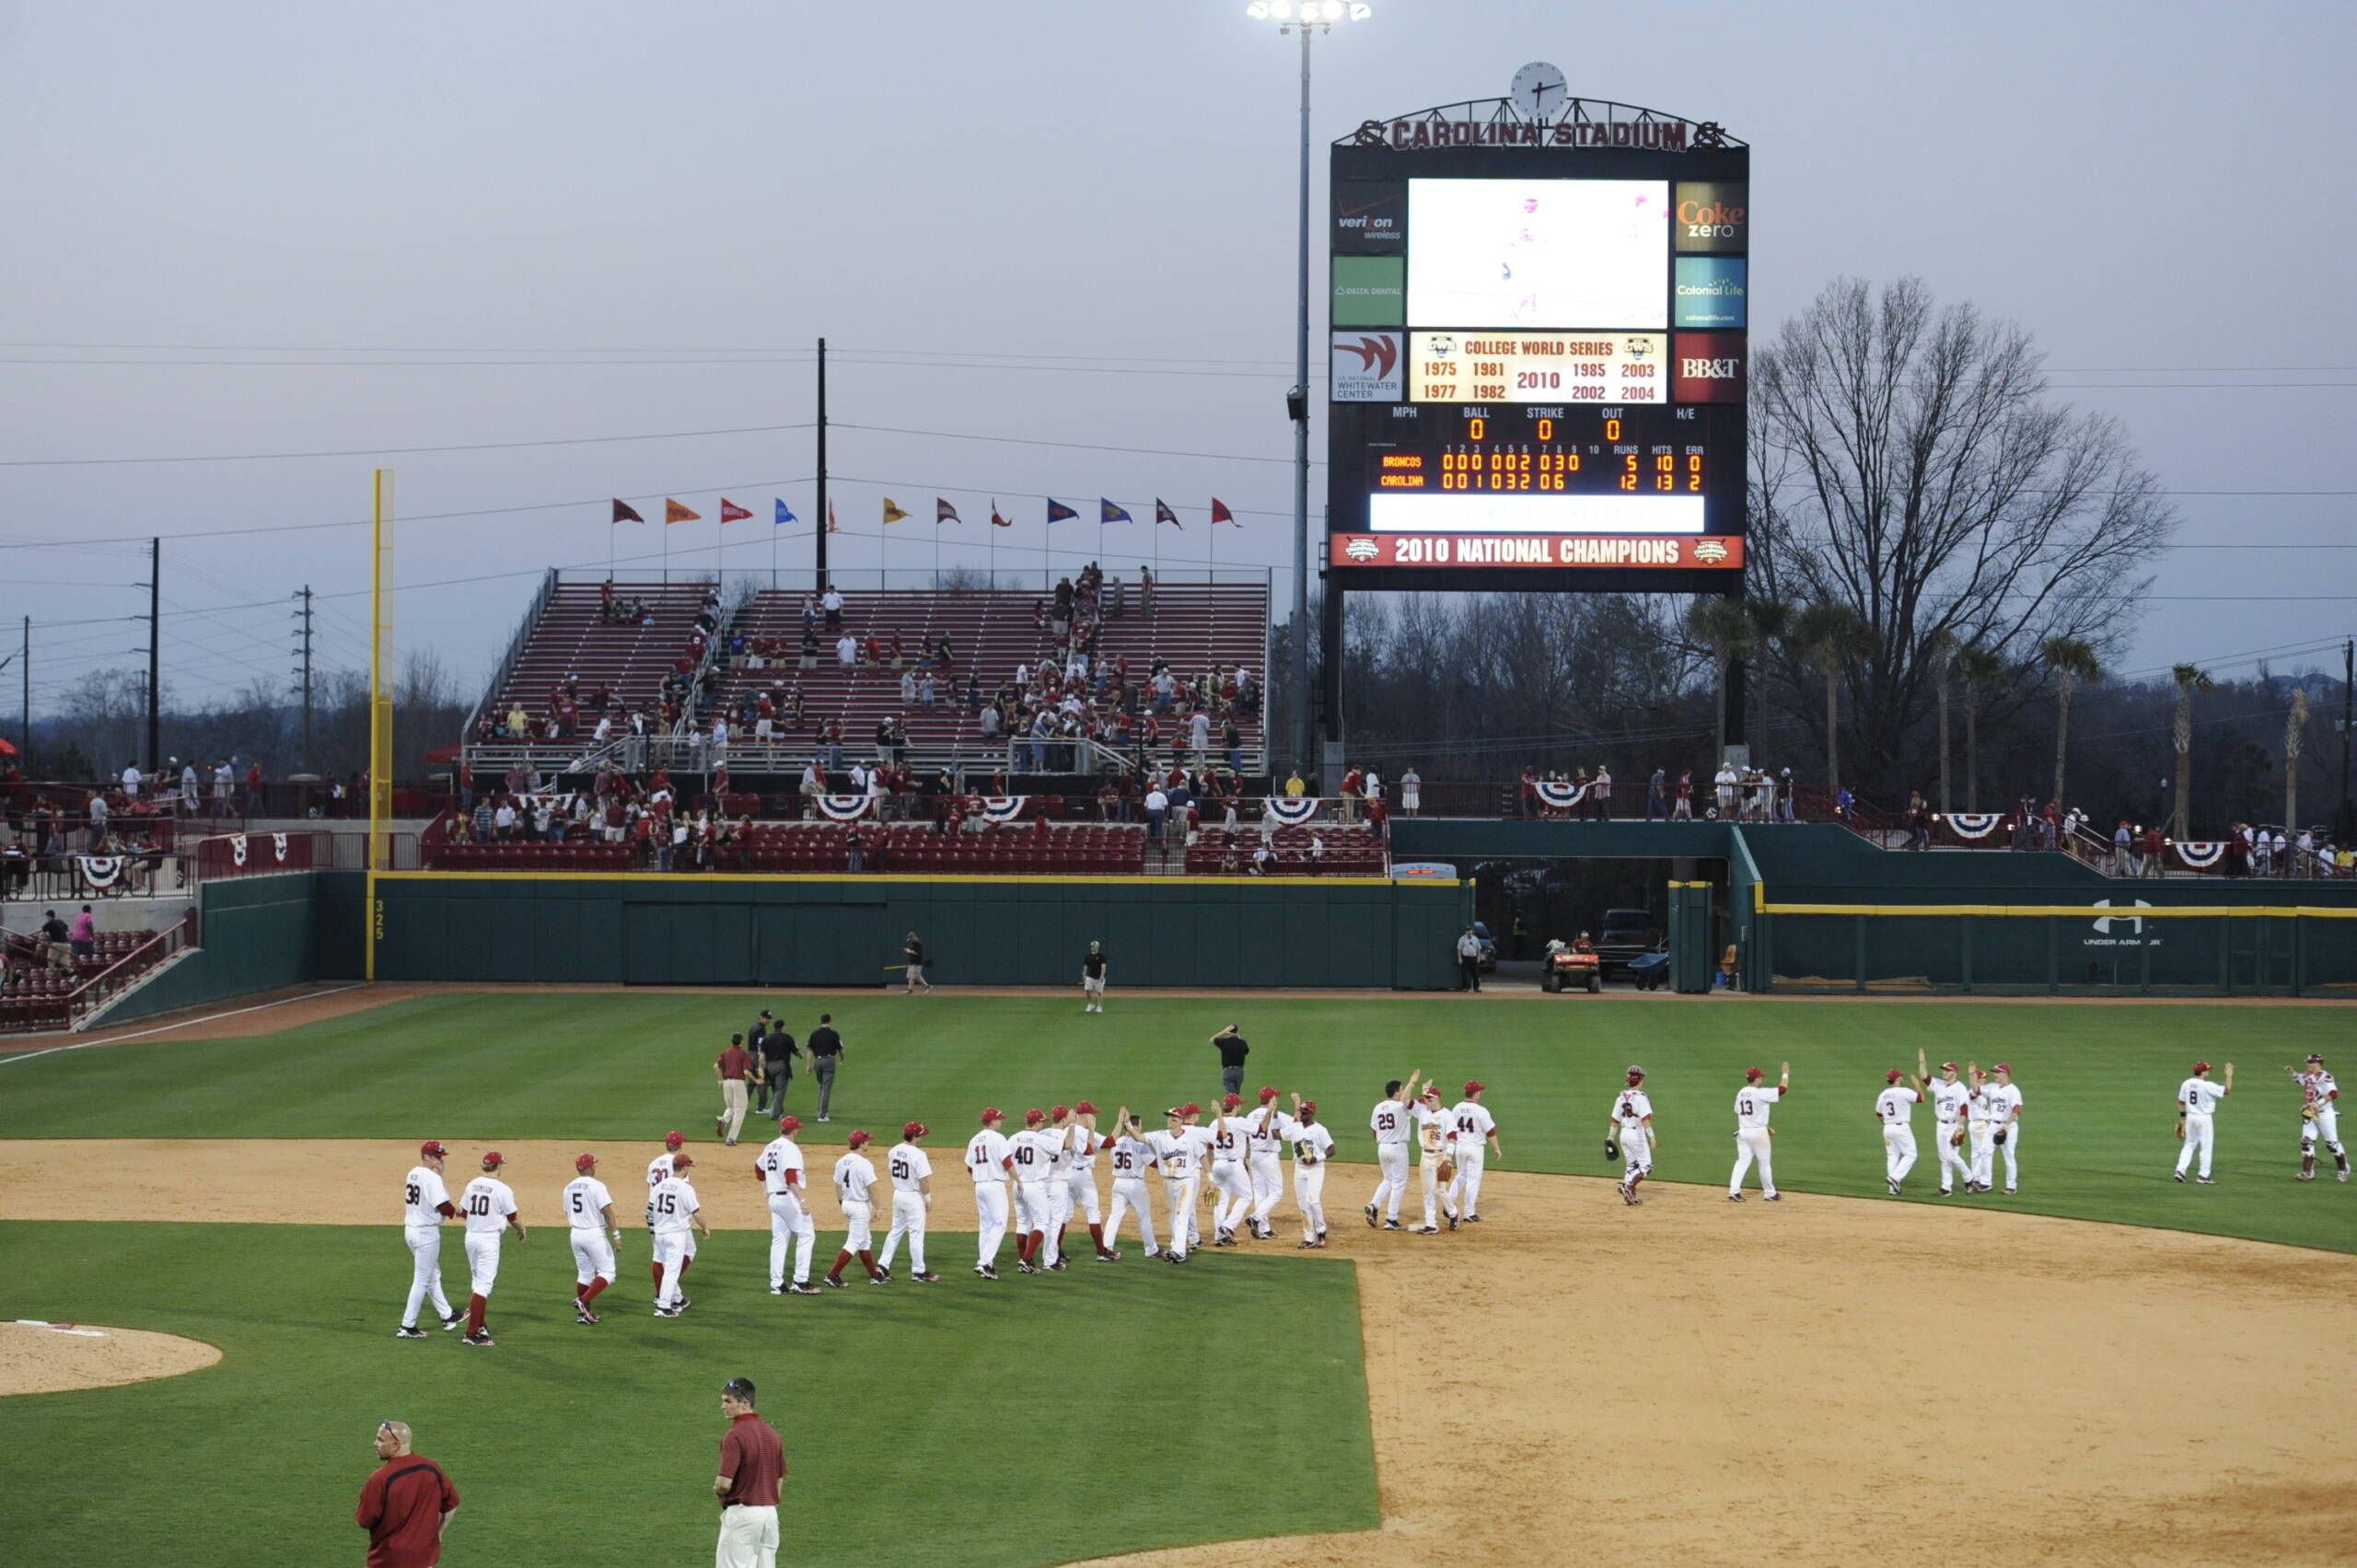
49, 1358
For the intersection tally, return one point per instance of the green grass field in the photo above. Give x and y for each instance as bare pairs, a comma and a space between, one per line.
1034, 1423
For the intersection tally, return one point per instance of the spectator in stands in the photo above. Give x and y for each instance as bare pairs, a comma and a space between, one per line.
82, 940
1264, 860
1294, 788
908, 689
809, 648
1725, 783
1600, 794
54, 932
809, 612
832, 603
1378, 816
1145, 590
925, 689
990, 720
97, 821
1158, 808
855, 849
503, 820
846, 652
814, 784
484, 820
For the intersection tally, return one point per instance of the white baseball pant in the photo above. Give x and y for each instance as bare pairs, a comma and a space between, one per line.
1750, 1145
859, 1226
1980, 1139
1393, 1158
670, 1254
1434, 1204
1309, 1192
990, 1221
2324, 1130
1129, 1196
789, 1223
1267, 1169
425, 1272
1951, 1157
2200, 1133
732, 1107
1080, 1192
2012, 1147
1465, 1193
748, 1538
908, 1219
593, 1257
483, 1260
1232, 1194
1898, 1151
1636, 1154
1036, 1202
1181, 1192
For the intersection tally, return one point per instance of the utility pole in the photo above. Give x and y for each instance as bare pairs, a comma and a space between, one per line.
25, 738
303, 636
825, 519
155, 649
2348, 721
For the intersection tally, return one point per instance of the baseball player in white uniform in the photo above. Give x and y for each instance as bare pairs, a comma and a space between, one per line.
425, 1204
1895, 1109
589, 1215
990, 1160
1035, 1150
1389, 1122
678, 1213
853, 1178
489, 1205
1264, 1144
910, 1169
657, 1169
2001, 1102
1313, 1145
1231, 1187
1079, 1195
1948, 1100
1132, 1155
1435, 1137
1199, 1138
1176, 1152
2197, 1111
2319, 1117
1477, 1140
786, 1183
1629, 1133
1061, 1162
1752, 1137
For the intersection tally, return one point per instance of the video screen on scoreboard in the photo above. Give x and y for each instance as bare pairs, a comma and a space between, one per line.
1537, 253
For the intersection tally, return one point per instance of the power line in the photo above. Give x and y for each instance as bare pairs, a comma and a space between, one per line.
396, 451
1072, 445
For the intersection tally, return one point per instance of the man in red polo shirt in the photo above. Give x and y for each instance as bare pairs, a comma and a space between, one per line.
407, 1504
752, 1462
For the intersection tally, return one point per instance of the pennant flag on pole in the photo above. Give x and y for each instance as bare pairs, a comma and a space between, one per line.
832, 525
1163, 514
730, 512
997, 521
785, 513
1060, 513
1112, 514
675, 513
1220, 514
626, 513
943, 512
892, 512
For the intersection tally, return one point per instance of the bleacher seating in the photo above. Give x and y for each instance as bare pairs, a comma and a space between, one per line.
1350, 850
1195, 627
1078, 849
36, 996
571, 639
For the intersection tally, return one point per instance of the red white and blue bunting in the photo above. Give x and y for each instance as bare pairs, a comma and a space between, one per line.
1292, 811
103, 871
278, 847
1556, 796
236, 849
2199, 854
1003, 807
1974, 826
844, 807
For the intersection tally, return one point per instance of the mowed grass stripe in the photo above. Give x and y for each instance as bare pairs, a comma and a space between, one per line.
2100, 1080
1031, 1423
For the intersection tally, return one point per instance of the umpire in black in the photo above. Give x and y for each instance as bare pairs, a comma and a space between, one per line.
826, 1053
1232, 1053
777, 1050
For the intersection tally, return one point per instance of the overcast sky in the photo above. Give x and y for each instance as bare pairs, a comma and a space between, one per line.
331, 228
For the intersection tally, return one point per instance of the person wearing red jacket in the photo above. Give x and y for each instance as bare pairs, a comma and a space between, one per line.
406, 1505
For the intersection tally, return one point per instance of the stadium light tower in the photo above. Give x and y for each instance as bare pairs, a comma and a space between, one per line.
1303, 17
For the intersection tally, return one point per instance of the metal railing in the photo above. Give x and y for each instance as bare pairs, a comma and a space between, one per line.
522, 636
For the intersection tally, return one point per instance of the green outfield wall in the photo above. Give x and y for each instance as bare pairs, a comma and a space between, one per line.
1226, 934
257, 934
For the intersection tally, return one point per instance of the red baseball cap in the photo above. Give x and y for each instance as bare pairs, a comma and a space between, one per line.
2201, 1067
2001, 1067
1085, 1109
1308, 1107
1474, 1086
789, 1123
992, 1113
858, 1136
681, 1163
913, 1128
1635, 1073
1894, 1075
1268, 1093
1059, 1113
1430, 1092
432, 1149
1229, 1102
584, 1162
673, 1140
1033, 1118
1750, 1073
2317, 1058
492, 1157
1947, 1066
1191, 1109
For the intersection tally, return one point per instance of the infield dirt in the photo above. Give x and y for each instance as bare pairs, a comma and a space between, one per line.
1821, 1381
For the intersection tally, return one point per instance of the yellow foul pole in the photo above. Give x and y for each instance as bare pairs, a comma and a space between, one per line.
381, 704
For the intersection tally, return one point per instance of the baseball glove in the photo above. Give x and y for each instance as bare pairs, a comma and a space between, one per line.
1611, 1150
1448, 1171
2180, 1131
2001, 1137
2307, 1113
1956, 1139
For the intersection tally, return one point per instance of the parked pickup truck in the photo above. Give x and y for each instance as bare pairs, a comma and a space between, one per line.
1627, 936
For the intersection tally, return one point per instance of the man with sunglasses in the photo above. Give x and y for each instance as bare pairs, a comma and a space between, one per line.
406, 1505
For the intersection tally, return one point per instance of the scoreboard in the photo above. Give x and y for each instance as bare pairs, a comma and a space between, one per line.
1540, 343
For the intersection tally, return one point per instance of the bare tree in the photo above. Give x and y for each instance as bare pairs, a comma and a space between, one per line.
1911, 466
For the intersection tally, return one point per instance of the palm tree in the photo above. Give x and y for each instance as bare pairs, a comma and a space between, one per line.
1831, 634
2070, 660
2191, 678
1942, 649
1771, 621
1980, 669
2294, 723
1721, 625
